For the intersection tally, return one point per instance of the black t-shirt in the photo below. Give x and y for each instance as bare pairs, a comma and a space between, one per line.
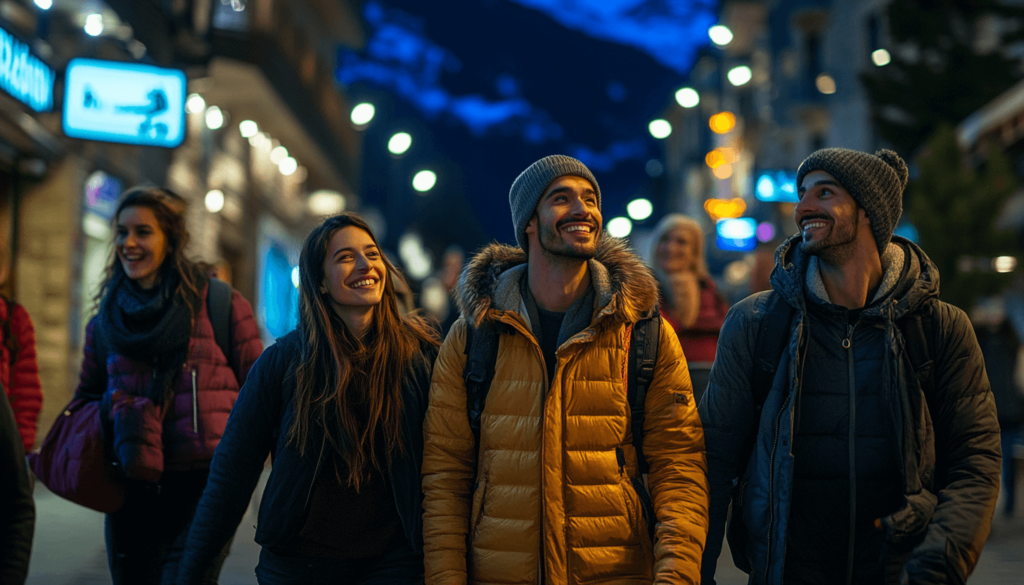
345, 524
550, 326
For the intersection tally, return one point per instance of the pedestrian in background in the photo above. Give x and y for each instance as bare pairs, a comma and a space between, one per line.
165, 386
338, 404
550, 488
689, 300
19, 368
17, 509
871, 454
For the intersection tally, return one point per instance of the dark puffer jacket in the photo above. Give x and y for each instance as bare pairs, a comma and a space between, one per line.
260, 425
948, 435
204, 392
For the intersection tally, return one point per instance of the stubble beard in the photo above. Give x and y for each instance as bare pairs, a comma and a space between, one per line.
558, 250
838, 246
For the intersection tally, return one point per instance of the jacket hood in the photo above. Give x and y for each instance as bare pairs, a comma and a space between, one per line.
623, 283
915, 279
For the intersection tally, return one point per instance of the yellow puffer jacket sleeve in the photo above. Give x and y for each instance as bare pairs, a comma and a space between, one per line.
449, 466
674, 447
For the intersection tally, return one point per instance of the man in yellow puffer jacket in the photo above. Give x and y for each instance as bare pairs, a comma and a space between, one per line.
548, 499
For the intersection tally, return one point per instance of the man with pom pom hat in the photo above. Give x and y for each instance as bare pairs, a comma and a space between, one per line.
848, 418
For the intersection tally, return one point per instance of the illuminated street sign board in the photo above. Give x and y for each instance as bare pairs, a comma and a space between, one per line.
779, 186
739, 235
124, 102
23, 75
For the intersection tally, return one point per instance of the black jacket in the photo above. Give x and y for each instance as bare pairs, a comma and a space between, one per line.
17, 509
259, 425
948, 434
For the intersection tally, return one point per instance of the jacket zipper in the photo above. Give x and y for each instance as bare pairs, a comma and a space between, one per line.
848, 345
771, 487
195, 403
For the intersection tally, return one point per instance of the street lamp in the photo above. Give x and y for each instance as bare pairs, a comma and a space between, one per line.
195, 104
620, 227
362, 114
424, 181
248, 128
214, 118
687, 97
640, 209
214, 200
740, 75
399, 143
660, 128
720, 35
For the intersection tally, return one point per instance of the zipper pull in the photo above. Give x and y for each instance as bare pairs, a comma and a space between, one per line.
620, 456
849, 336
195, 403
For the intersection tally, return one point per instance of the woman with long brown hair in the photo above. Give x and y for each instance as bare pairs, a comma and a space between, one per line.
164, 383
338, 404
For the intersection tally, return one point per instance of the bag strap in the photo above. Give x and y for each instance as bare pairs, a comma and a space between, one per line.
643, 354
481, 356
218, 306
918, 341
772, 335
10, 339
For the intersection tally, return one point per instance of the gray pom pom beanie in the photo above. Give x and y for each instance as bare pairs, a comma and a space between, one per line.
875, 181
531, 183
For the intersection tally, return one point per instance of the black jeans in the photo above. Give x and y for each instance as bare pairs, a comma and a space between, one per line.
146, 537
400, 567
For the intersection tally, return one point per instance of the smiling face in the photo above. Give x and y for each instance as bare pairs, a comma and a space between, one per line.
140, 244
568, 219
354, 271
831, 222
677, 250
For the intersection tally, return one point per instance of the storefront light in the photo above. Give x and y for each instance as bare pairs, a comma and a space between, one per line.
44, 4
195, 104
363, 113
278, 154
288, 166
214, 200
248, 128
93, 24
214, 118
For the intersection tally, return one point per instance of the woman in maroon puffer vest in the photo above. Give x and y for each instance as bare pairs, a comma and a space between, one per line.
166, 388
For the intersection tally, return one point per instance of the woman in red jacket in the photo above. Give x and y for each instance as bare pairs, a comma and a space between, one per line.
165, 385
690, 301
19, 370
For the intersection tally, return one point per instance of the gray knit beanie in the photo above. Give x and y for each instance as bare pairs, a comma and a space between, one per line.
531, 183
875, 181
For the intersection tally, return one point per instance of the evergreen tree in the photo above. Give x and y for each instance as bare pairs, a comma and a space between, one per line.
955, 208
941, 71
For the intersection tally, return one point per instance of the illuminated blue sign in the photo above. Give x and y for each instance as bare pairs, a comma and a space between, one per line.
124, 102
736, 234
777, 186
23, 75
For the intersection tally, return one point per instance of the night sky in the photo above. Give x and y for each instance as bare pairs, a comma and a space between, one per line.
486, 87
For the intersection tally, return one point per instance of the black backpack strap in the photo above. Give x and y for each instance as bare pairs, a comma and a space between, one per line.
218, 306
643, 354
918, 342
772, 335
481, 355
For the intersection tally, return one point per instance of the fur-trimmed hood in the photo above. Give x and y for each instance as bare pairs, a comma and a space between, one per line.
624, 285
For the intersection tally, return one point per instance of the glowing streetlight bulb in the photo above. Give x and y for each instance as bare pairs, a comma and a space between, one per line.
195, 104
740, 75
620, 227
278, 154
288, 166
94, 24
881, 57
424, 181
44, 4
720, 35
660, 128
363, 113
248, 128
400, 143
639, 209
687, 97
214, 118
214, 200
